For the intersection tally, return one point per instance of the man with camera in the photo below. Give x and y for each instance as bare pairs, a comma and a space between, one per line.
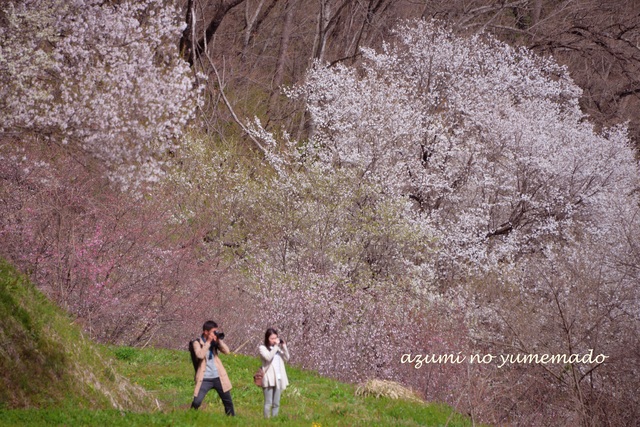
210, 373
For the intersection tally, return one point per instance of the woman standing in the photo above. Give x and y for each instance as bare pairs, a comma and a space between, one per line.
273, 354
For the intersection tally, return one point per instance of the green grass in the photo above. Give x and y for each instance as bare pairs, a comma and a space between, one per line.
45, 361
168, 375
39, 332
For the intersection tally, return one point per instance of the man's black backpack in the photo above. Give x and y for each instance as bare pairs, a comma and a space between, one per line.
194, 358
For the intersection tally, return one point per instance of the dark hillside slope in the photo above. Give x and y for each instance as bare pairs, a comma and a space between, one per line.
45, 360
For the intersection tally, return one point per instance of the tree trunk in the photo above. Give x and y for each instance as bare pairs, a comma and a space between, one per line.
282, 54
188, 36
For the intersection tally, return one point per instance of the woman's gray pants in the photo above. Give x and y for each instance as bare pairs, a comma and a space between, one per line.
271, 401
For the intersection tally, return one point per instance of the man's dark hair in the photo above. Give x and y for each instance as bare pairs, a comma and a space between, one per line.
208, 325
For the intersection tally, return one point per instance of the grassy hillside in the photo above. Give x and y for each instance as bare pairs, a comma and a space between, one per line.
51, 375
45, 361
311, 400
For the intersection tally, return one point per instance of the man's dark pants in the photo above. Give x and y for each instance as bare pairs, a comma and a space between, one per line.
225, 396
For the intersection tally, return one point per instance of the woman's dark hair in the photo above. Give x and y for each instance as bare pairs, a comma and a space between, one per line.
208, 325
267, 334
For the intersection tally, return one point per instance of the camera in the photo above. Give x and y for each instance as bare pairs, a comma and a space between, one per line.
219, 334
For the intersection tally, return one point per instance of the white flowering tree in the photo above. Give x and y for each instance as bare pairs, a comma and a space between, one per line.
532, 210
487, 140
101, 77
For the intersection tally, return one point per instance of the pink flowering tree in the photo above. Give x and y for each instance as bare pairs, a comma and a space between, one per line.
118, 264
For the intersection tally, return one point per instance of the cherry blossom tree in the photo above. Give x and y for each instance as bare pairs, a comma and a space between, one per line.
488, 141
531, 211
98, 77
